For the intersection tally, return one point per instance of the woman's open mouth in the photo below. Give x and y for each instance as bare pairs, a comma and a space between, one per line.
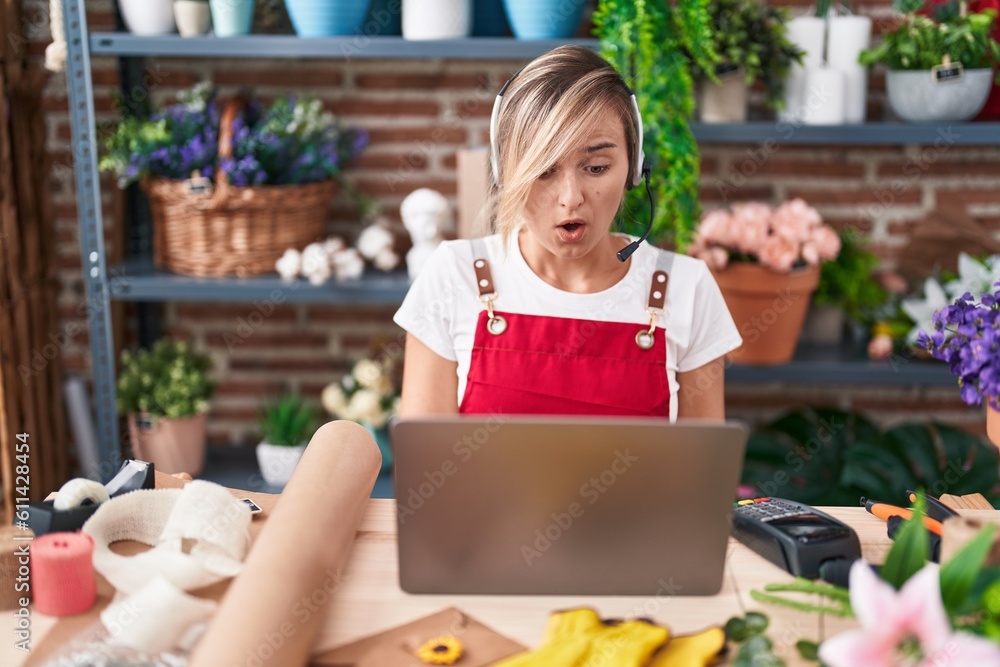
571, 231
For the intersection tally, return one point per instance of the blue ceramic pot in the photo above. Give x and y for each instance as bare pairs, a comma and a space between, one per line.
385, 18
232, 17
381, 436
544, 19
489, 19
324, 18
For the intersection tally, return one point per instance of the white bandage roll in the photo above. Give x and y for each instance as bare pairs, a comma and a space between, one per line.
157, 617
78, 491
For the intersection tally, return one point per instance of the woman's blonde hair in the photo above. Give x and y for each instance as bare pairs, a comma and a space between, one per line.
549, 110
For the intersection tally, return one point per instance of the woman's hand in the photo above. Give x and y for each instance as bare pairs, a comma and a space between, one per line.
702, 392
430, 382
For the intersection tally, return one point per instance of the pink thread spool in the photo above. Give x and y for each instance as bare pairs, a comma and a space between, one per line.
62, 573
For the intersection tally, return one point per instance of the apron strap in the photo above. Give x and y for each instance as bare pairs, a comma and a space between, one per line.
658, 285
484, 277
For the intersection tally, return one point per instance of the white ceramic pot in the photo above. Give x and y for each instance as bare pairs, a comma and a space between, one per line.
277, 463
148, 17
437, 19
194, 17
723, 102
849, 36
916, 97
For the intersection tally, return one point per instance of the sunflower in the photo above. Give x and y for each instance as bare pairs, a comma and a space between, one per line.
443, 650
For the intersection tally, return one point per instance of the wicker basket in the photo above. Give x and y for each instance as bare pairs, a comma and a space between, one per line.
233, 231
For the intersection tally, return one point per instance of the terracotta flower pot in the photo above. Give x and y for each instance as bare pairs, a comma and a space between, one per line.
173, 445
768, 308
993, 425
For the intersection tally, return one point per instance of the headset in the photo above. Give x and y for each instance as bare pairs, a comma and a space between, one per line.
640, 169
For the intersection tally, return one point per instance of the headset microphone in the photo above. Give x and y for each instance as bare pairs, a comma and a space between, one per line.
627, 251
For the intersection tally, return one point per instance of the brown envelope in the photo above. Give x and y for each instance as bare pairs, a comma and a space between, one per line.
397, 647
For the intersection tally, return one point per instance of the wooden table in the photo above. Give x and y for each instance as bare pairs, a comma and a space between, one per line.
369, 600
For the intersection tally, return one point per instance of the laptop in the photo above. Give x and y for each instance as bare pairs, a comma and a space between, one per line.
546, 505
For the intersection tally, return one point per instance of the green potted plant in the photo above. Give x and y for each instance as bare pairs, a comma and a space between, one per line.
846, 292
653, 45
940, 68
286, 426
752, 43
165, 392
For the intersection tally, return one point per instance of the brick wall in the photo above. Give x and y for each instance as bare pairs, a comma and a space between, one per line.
418, 113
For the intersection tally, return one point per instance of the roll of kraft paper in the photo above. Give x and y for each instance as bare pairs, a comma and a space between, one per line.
62, 573
301, 549
849, 36
824, 102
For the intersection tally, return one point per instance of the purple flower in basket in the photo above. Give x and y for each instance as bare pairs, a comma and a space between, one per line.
967, 337
290, 142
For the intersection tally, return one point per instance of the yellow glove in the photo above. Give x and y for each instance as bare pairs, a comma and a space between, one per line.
695, 650
578, 638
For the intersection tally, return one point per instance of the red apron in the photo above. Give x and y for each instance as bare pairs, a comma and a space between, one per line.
530, 364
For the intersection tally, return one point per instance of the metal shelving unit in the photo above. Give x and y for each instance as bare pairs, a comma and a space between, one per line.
137, 280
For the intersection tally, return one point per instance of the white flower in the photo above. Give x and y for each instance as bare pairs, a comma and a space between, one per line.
365, 407
373, 240
386, 260
289, 264
333, 399
974, 277
348, 264
367, 373
921, 311
316, 264
333, 245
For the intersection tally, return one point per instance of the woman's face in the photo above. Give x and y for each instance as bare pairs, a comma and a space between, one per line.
571, 206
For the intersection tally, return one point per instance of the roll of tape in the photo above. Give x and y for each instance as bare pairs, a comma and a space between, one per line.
78, 491
62, 573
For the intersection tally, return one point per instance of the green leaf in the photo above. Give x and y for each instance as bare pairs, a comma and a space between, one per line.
959, 573
910, 549
756, 623
808, 650
877, 470
736, 630
914, 444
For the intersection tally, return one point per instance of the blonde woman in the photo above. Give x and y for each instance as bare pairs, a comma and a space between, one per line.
555, 313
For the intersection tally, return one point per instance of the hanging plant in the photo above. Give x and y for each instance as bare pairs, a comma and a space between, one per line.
654, 45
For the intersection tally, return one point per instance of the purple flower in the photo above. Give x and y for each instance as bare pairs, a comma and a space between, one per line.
967, 337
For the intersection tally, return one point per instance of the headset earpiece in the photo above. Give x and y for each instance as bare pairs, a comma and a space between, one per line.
639, 170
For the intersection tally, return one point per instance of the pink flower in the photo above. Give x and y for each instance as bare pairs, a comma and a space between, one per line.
909, 627
716, 258
778, 253
880, 347
795, 220
750, 225
827, 243
716, 228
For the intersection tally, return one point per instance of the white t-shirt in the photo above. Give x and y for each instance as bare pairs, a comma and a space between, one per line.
442, 306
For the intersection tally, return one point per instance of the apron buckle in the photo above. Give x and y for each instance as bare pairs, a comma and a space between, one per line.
645, 339
496, 324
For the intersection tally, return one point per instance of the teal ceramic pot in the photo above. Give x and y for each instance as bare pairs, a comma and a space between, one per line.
544, 19
232, 17
381, 436
326, 18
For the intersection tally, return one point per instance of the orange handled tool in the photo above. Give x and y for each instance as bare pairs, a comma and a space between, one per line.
884, 511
